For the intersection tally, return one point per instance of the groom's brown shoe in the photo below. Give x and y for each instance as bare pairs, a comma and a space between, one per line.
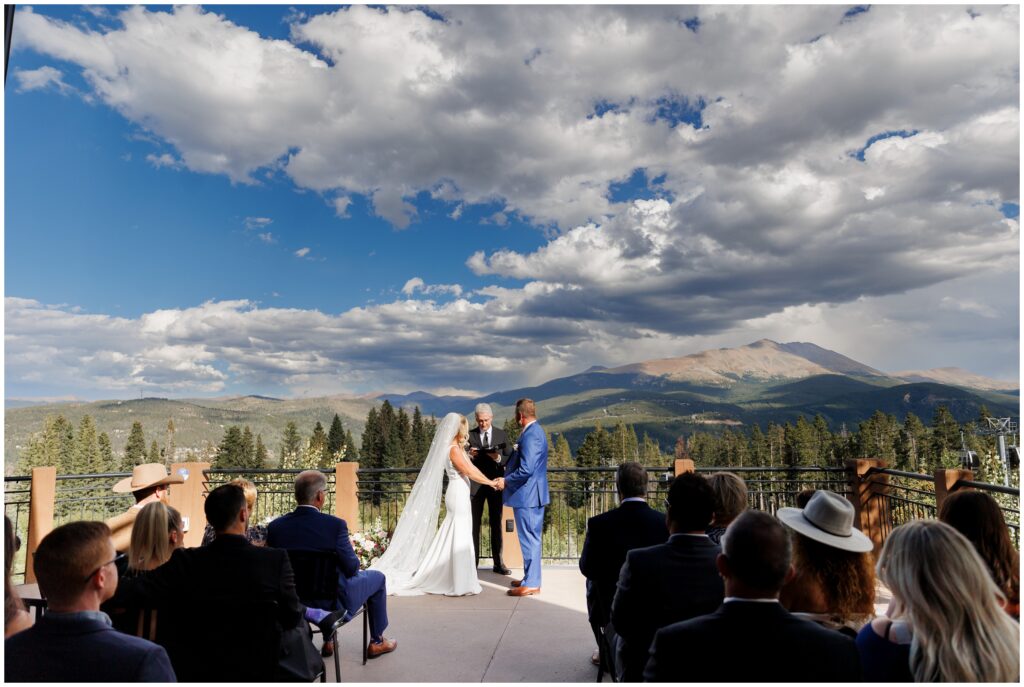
515, 583
384, 646
523, 591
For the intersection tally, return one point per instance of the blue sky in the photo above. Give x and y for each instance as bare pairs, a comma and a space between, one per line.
254, 199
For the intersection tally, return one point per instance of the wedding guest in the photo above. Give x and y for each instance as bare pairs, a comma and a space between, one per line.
156, 534
610, 536
669, 582
16, 616
149, 483
73, 641
947, 623
309, 529
834, 580
751, 637
730, 500
977, 516
255, 534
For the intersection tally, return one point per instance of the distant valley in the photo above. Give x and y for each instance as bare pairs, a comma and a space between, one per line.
759, 383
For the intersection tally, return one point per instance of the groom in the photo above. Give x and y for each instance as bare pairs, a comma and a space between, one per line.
526, 492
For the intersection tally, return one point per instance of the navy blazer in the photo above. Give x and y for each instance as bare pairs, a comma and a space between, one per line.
745, 641
306, 528
661, 585
610, 536
65, 649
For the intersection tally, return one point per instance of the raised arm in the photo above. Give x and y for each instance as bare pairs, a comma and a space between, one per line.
464, 467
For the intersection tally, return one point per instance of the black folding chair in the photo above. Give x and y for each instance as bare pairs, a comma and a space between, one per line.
316, 579
601, 627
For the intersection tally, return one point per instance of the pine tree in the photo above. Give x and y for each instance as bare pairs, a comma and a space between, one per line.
650, 452
53, 446
370, 454
230, 453
825, 453
106, 454
945, 438
351, 452
419, 438
316, 455
262, 458
758, 446
512, 429
291, 446
87, 450
135, 449
336, 439
560, 456
154, 453
170, 450
403, 430
248, 449
623, 446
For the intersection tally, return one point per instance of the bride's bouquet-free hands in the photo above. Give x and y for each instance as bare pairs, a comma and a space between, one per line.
499, 483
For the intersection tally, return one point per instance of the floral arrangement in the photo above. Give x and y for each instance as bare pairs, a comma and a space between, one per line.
370, 543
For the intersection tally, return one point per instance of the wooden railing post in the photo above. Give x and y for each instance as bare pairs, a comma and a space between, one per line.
189, 498
346, 497
684, 465
869, 511
42, 495
944, 481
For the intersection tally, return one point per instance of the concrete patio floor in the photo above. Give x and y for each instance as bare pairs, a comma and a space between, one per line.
489, 637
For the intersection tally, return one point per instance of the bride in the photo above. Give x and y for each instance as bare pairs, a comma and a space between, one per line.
423, 558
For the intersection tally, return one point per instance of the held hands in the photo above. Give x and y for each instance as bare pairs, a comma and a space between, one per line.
498, 483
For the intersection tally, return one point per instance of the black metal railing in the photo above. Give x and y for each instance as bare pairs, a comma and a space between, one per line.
17, 491
275, 489
771, 488
89, 497
903, 497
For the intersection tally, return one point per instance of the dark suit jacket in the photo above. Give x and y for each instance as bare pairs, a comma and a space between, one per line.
610, 536
751, 642
486, 464
661, 585
309, 529
58, 649
229, 568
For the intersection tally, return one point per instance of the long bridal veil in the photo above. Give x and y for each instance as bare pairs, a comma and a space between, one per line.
418, 524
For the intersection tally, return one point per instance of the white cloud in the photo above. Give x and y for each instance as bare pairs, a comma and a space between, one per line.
411, 286
341, 205
416, 284
302, 252
164, 160
266, 237
257, 222
41, 78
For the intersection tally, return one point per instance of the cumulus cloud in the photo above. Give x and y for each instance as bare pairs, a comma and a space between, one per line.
266, 237
42, 78
341, 205
416, 284
302, 252
258, 222
164, 160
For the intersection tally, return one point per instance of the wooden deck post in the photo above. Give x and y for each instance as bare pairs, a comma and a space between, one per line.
868, 510
346, 494
684, 465
189, 499
42, 495
944, 482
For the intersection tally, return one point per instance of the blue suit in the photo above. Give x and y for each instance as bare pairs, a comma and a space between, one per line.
526, 492
308, 529
77, 648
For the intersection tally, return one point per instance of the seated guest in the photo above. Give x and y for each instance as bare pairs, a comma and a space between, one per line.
230, 569
730, 500
751, 637
16, 617
156, 534
256, 534
977, 516
834, 584
948, 624
663, 584
611, 535
74, 641
308, 529
149, 483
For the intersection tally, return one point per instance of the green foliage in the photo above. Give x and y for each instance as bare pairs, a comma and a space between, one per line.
650, 452
559, 455
169, 447
154, 453
623, 445
291, 446
336, 439
53, 446
351, 451
261, 457
420, 439
231, 452
106, 454
512, 429
87, 449
135, 448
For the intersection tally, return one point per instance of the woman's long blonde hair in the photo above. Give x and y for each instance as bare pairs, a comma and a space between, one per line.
150, 545
462, 436
945, 592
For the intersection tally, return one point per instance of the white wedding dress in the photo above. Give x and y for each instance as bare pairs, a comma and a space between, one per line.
423, 558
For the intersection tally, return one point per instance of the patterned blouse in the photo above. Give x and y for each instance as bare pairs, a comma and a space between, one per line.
257, 535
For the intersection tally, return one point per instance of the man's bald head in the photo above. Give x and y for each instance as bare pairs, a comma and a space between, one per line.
757, 552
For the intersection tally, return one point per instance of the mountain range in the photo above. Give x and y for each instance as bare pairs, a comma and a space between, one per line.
761, 382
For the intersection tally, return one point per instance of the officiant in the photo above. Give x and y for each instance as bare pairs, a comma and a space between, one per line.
490, 450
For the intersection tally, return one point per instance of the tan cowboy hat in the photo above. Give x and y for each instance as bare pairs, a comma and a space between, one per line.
145, 476
828, 518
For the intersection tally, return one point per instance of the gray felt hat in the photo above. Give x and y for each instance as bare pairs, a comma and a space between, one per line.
828, 518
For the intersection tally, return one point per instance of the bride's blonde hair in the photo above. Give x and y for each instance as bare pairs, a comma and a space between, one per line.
462, 436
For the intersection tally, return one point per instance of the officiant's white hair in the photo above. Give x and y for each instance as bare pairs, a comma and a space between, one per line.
483, 409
